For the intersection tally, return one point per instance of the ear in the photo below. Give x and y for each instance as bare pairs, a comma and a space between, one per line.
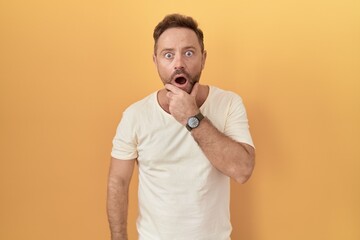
154, 59
204, 54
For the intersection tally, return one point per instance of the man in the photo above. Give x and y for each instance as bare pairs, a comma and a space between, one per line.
188, 140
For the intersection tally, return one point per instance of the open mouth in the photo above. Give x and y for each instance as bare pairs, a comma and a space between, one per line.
180, 80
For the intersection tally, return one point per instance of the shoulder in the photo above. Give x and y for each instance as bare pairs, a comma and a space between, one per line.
221, 95
142, 105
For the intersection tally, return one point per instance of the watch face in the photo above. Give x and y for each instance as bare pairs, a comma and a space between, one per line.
193, 122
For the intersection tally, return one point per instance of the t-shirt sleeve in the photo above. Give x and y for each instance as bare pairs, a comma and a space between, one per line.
237, 126
124, 142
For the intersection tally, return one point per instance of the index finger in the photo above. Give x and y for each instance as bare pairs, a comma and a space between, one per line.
172, 88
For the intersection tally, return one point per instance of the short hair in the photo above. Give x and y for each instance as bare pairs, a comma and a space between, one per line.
178, 21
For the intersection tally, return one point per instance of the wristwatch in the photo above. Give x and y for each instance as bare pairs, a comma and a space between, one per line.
194, 121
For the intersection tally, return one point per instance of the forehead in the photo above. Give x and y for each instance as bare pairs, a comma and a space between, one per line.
178, 38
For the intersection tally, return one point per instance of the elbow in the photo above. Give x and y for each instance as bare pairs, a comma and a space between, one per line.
245, 172
243, 177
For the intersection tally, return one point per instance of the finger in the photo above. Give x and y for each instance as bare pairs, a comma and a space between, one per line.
168, 94
195, 89
172, 88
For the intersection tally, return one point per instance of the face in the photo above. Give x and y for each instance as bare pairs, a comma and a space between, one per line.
178, 58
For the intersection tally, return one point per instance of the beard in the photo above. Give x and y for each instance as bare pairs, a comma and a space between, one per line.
193, 81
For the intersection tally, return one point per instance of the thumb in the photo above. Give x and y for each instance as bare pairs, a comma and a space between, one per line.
194, 90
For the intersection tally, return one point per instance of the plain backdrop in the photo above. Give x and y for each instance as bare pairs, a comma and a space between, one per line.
68, 69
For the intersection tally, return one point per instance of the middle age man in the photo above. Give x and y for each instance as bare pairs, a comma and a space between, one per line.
188, 140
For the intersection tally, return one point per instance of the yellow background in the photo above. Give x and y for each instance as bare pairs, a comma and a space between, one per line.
69, 68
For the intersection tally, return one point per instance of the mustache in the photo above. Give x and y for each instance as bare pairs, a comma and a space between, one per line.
180, 71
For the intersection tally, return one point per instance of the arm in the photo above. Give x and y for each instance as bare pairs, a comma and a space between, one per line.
232, 158
117, 197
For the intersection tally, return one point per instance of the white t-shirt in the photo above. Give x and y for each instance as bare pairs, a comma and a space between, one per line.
181, 195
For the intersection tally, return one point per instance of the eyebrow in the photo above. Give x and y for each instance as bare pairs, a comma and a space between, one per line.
167, 50
172, 49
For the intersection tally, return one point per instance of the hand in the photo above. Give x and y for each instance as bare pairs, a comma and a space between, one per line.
181, 104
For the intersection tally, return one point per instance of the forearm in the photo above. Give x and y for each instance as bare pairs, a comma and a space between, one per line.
117, 209
233, 159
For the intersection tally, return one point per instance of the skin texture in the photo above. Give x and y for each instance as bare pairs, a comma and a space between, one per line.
117, 197
178, 54
178, 51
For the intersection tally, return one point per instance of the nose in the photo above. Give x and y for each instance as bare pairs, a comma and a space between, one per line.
179, 62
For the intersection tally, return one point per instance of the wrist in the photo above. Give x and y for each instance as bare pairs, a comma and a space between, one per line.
194, 121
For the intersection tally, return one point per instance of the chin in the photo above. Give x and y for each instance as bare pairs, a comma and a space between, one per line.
189, 87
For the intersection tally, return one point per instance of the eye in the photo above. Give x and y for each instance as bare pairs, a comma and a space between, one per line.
189, 53
168, 55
